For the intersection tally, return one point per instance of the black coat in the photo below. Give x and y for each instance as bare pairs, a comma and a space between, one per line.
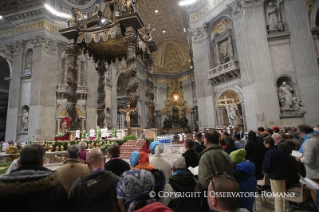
117, 166
32, 188
275, 164
191, 158
255, 154
185, 182
198, 147
94, 192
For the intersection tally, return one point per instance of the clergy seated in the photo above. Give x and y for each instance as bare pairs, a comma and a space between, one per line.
158, 161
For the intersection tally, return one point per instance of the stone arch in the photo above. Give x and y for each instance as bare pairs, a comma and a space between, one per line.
236, 89
313, 15
285, 78
61, 108
9, 63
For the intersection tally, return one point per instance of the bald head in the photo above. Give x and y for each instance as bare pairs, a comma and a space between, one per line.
114, 150
277, 138
95, 159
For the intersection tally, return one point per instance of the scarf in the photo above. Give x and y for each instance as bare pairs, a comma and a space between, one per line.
134, 158
144, 165
179, 172
134, 183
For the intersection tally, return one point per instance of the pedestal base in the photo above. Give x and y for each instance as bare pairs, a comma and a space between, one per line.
151, 133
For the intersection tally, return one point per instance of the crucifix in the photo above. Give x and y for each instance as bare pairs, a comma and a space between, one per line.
128, 110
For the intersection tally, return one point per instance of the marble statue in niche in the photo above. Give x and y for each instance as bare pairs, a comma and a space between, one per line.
274, 16
25, 119
285, 96
297, 106
225, 52
235, 116
28, 65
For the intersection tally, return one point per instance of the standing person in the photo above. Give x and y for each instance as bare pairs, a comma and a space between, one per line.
198, 145
32, 187
191, 157
230, 144
82, 155
4, 146
254, 153
73, 168
92, 134
244, 175
116, 165
213, 159
239, 144
275, 163
97, 190
104, 133
310, 155
78, 134
223, 183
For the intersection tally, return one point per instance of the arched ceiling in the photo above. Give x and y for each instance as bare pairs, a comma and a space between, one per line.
173, 50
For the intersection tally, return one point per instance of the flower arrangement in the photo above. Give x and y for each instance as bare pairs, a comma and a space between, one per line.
62, 134
149, 140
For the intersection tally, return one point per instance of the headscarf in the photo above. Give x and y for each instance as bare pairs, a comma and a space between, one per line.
133, 183
143, 157
153, 145
134, 158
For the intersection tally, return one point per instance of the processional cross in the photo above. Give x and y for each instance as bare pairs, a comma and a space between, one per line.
128, 110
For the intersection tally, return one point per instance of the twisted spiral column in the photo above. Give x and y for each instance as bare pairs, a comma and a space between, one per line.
101, 70
72, 78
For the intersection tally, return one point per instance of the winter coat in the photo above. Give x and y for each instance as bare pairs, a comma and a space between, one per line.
191, 158
255, 154
117, 165
32, 188
213, 159
94, 192
72, 170
198, 147
244, 174
275, 164
310, 156
186, 184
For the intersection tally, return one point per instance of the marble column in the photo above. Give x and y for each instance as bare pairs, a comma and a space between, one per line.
304, 58
72, 78
101, 70
133, 82
204, 90
260, 92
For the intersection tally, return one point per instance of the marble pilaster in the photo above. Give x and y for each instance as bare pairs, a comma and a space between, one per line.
304, 58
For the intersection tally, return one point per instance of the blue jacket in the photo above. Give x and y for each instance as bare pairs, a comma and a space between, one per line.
275, 163
244, 175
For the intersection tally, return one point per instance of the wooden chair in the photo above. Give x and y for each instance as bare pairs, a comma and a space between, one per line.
301, 196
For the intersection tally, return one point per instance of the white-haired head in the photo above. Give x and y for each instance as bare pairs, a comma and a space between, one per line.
179, 163
277, 138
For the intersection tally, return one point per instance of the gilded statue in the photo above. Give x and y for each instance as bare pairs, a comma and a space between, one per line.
128, 4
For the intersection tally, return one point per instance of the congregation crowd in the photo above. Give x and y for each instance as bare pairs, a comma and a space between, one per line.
227, 163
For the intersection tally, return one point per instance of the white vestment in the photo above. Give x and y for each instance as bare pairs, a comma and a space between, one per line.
92, 133
104, 132
78, 133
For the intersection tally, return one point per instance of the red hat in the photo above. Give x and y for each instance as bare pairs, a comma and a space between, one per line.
275, 128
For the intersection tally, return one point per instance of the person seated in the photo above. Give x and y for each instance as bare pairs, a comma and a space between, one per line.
244, 175
82, 155
191, 157
140, 198
73, 168
32, 187
140, 160
221, 182
116, 164
182, 181
97, 190
158, 161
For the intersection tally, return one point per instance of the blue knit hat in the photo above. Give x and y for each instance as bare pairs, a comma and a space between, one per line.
153, 145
